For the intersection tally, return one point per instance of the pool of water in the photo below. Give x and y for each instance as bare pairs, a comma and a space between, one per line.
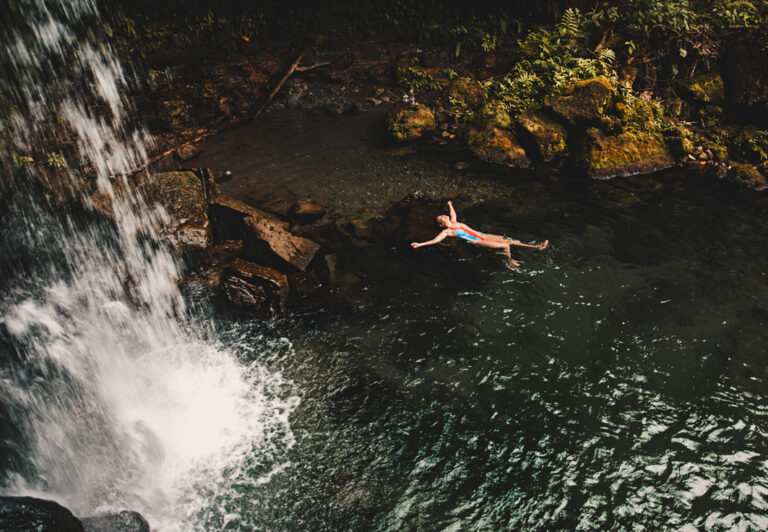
618, 382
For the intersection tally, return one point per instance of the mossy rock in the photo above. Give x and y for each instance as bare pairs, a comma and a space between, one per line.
464, 92
629, 153
719, 152
674, 106
497, 146
407, 122
747, 175
707, 88
493, 114
644, 114
546, 136
680, 140
744, 69
582, 102
712, 115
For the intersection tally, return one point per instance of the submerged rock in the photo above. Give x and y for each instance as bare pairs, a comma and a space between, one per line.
408, 122
24, 514
582, 102
546, 136
498, 146
628, 153
264, 238
307, 211
124, 521
253, 287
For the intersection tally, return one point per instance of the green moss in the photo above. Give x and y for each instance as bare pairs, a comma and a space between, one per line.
467, 91
497, 146
582, 102
630, 152
707, 88
494, 114
405, 122
547, 136
747, 175
679, 139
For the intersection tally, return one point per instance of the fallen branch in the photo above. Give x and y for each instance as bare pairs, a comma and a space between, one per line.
156, 158
272, 94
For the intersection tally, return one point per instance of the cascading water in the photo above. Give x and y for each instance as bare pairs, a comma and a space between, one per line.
115, 395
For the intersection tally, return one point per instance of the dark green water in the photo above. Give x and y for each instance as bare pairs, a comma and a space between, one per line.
617, 383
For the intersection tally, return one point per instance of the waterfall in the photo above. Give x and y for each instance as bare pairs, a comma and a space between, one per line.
116, 395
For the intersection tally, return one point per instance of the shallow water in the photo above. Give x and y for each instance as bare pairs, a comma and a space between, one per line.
617, 383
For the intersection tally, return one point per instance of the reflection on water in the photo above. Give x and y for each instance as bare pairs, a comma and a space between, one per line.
618, 383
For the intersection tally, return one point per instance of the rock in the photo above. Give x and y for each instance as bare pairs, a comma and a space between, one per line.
264, 238
707, 88
182, 196
461, 165
628, 153
679, 141
124, 521
24, 514
223, 252
546, 136
582, 102
498, 146
406, 122
745, 74
61, 185
464, 93
307, 211
185, 153
253, 287
493, 114
747, 175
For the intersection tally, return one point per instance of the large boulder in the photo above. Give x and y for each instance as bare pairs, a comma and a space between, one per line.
124, 521
744, 68
408, 122
255, 288
582, 102
23, 514
264, 238
496, 145
545, 136
182, 196
628, 153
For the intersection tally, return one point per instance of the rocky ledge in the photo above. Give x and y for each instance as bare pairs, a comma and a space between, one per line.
23, 514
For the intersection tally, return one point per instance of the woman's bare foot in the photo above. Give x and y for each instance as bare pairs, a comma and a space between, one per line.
543, 245
512, 264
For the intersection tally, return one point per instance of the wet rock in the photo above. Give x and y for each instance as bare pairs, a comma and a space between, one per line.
628, 153
124, 521
264, 237
582, 102
747, 175
304, 283
408, 122
679, 140
707, 88
496, 145
255, 288
745, 74
546, 136
61, 185
182, 196
24, 514
223, 252
307, 211
185, 153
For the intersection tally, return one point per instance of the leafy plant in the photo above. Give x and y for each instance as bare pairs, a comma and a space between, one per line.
417, 80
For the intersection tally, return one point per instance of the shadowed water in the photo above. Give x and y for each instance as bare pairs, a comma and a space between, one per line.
617, 383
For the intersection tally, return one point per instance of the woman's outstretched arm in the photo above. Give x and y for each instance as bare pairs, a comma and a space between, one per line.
439, 238
452, 212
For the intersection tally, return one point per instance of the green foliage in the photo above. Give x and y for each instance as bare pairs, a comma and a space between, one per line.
22, 160
417, 80
56, 160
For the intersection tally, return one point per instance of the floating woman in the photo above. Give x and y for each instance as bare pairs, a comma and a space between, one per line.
454, 228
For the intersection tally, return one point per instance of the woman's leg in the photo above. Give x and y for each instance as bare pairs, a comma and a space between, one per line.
511, 263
